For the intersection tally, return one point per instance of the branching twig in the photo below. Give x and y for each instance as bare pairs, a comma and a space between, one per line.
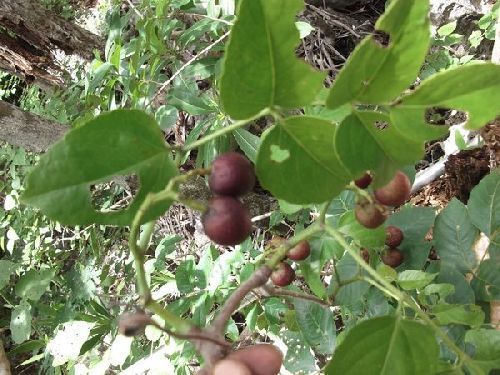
189, 62
258, 278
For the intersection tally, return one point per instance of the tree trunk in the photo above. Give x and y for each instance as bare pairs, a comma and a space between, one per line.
29, 35
43, 30
24, 129
4, 361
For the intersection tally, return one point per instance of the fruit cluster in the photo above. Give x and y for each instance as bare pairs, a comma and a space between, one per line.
372, 213
284, 274
226, 221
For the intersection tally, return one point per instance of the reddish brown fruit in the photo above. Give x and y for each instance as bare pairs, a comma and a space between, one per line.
364, 181
300, 252
226, 221
393, 236
231, 174
396, 192
370, 215
283, 275
365, 254
393, 257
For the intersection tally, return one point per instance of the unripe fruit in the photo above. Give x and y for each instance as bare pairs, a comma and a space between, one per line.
364, 181
365, 254
231, 174
393, 236
393, 257
226, 221
396, 192
370, 215
300, 252
283, 275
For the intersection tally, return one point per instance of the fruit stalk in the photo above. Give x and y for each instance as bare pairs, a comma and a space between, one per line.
227, 129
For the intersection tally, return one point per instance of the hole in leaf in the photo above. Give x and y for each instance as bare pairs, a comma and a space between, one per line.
444, 116
279, 155
114, 195
381, 125
382, 38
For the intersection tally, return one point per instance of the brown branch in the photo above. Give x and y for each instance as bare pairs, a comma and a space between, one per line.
291, 293
258, 278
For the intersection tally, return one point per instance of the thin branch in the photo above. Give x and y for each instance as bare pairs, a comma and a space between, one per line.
189, 62
224, 130
258, 278
291, 293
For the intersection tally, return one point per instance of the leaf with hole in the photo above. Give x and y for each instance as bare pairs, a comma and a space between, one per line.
300, 151
377, 73
472, 88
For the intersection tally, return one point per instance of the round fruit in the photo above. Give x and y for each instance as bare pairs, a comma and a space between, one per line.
364, 182
396, 192
283, 275
370, 215
226, 221
393, 257
231, 174
393, 236
365, 254
300, 251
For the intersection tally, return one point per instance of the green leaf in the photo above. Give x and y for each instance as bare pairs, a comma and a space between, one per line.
353, 292
298, 359
447, 29
260, 68
299, 150
415, 222
366, 237
377, 74
472, 88
188, 101
471, 315
116, 143
167, 116
20, 322
489, 274
188, 278
316, 324
450, 275
386, 345
414, 279
454, 236
484, 204
304, 28
487, 348
33, 284
27, 346
6, 269
248, 142
442, 290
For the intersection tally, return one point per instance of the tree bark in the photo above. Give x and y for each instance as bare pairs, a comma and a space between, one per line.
44, 30
29, 35
4, 361
24, 129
